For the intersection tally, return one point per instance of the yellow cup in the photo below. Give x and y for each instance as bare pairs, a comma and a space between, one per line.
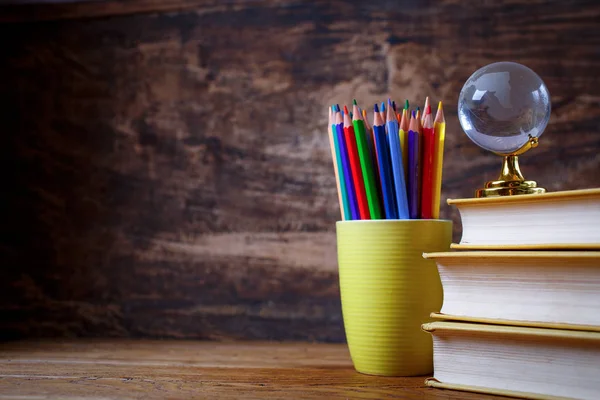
388, 290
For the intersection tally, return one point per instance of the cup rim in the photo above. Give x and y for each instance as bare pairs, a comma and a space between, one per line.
406, 221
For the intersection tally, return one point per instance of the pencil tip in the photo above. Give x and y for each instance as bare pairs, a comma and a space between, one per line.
440, 104
382, 106
346, 110
376, 108
337, 107
414, 114
428, 110
406, 104
354, 102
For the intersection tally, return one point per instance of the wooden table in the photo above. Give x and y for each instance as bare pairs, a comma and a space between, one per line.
110, 369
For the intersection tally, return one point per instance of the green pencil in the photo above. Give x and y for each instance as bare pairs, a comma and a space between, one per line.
366, 164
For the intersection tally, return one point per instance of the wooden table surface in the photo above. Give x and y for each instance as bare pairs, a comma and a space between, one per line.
111, 369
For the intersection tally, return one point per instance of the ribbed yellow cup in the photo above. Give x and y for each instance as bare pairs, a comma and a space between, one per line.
388, 290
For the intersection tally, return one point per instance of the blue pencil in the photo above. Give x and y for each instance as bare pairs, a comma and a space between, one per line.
339, 130
393, 136
383, 161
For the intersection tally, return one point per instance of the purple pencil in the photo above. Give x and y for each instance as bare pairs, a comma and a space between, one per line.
339, 131
413, 168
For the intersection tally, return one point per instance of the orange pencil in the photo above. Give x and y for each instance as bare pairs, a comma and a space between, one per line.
357, 176
427, 160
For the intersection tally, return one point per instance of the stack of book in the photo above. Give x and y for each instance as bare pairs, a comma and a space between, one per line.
521, 309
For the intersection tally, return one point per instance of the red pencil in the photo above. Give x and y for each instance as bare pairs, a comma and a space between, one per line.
428, 155
357, 177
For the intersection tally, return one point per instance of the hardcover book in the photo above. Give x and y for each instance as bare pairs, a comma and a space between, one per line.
515, 361
556, 220
560, 288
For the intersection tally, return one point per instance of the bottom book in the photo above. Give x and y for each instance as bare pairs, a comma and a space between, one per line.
534, 363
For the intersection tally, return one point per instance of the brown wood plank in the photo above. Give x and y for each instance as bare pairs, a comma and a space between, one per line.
57, 10
113, 369
168, 174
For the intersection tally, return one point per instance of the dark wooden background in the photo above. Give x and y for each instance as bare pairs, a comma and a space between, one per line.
165, 167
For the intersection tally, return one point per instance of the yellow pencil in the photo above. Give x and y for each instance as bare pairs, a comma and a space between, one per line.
439, 127
403, 132
330, 133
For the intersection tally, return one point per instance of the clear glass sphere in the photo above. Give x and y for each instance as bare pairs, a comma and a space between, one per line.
501, 104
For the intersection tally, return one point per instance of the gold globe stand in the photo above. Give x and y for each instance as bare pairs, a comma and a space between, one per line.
511, 181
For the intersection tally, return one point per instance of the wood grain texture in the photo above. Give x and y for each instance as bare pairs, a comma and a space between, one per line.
183, 369
168, 174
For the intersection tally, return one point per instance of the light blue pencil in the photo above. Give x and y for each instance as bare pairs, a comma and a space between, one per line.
397, 164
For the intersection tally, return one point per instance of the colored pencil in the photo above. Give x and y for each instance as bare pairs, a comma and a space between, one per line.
439, 127
341, 187
424, 110
383, 158
343, 154
427, 165
366, 164
369, 130
357, 178
403, 133
374, 159
413, 168
370, 139
382, 111
397, 163
420, 130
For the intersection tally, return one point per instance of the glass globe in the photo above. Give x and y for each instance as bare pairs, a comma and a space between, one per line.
501, 105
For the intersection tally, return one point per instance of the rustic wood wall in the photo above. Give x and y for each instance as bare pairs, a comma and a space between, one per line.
167, 174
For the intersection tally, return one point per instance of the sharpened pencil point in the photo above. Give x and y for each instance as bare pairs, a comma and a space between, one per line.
354, 102
346, 110
337, 106
376, 108
406, 104
428, 110
394, 105
382, 108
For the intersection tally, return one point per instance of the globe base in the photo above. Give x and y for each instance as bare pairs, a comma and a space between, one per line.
510, 182
509, 188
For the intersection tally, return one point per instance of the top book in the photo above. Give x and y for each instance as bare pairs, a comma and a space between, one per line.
557, 220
